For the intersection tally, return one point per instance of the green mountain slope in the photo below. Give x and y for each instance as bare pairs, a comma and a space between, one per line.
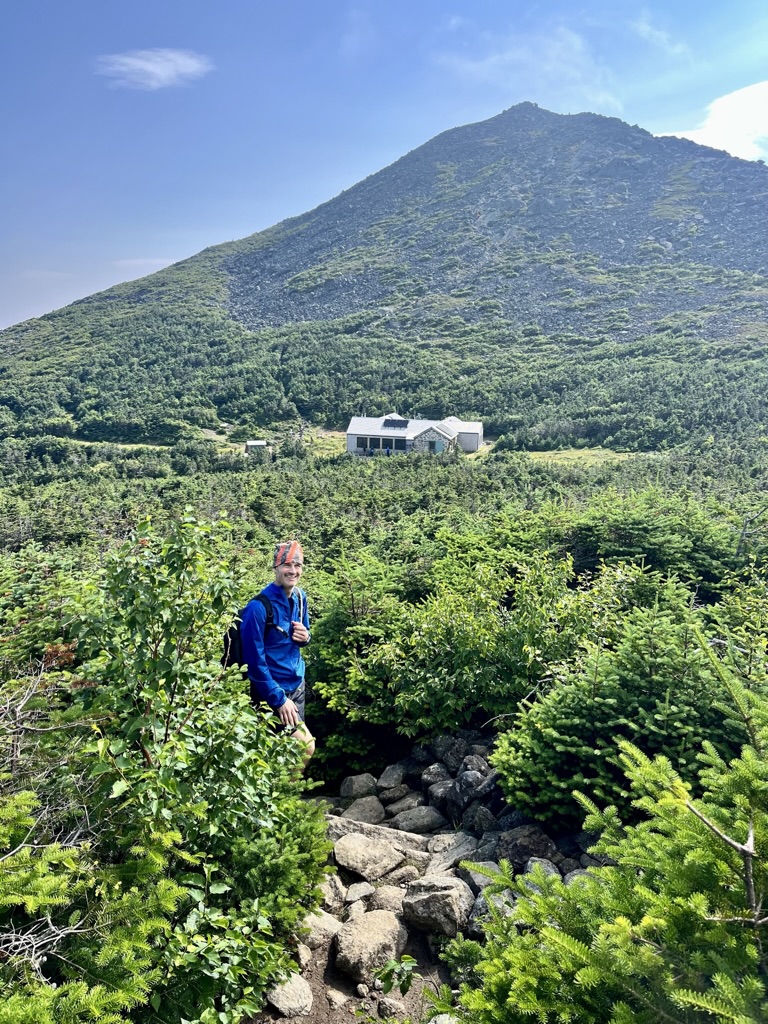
568, 279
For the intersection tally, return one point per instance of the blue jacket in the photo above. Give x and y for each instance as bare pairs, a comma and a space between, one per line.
275, 664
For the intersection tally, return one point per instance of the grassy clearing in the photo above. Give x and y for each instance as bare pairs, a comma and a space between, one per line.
328, 443
581, 456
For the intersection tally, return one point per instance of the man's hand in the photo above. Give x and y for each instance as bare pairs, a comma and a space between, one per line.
288, 713
299, 632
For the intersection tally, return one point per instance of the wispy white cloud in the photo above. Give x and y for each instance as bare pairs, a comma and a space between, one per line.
153, 69
358, 35
658, 37
143, 264
555, 68
736, 122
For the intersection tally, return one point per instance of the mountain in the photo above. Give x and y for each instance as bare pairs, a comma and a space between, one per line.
568, 279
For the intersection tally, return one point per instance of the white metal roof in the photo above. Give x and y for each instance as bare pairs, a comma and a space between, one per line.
374, 426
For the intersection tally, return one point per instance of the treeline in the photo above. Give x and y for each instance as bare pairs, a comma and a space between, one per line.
111, 372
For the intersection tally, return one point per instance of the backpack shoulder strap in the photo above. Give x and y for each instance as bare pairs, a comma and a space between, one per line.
264, 600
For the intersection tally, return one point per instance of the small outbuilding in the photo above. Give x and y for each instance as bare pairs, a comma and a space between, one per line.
254, 447
393, 434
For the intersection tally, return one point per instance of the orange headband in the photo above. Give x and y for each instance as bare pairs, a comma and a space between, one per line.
288, 551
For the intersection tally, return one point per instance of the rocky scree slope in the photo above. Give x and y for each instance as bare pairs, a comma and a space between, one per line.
532, 215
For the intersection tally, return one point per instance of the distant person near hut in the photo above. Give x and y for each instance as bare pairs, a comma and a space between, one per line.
274, 628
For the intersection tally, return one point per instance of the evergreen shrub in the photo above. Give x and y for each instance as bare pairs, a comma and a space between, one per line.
673, 929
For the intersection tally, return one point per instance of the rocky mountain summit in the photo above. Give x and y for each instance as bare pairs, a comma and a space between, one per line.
401, 846
527, 213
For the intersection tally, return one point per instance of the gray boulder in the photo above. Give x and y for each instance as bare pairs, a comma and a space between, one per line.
291, 998
407, 803
449, 850
367, 808
321, 928
355, 786
435, 773
518, 845
359, 891
365, 944
474, 879
402, 876
403, 841
419, 820
390, 796
437, 903
369, 858
336, 998
391, 777
388, 897
573, 875
391, 1007
334, 891
546, 866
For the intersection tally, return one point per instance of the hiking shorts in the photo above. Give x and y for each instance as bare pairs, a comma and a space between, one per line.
299, 697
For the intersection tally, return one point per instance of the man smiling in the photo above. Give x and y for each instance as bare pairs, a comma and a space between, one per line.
275, 626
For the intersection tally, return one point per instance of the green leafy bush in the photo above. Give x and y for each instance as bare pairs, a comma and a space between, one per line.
192, 856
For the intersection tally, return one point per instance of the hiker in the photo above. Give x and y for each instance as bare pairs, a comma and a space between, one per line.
271, 649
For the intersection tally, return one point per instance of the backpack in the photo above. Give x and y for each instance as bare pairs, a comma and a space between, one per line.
233, 641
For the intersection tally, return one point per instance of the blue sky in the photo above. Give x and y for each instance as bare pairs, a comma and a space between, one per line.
137, 134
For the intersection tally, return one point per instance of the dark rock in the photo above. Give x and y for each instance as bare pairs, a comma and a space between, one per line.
421, 754
518, 845
489, 846
480, 750
391, 777
441, 745
586, 840
569, 864
438, 794
455, 755
589, 862
473, 763
367, 809
407, 803
477, 819
389, 796
461, 794
355, 786
419, 820
568, 846
434, 773
512, 819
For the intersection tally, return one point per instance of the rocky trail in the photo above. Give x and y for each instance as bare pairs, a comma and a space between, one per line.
401, 885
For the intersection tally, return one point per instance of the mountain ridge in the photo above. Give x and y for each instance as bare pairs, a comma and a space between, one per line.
560, 276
